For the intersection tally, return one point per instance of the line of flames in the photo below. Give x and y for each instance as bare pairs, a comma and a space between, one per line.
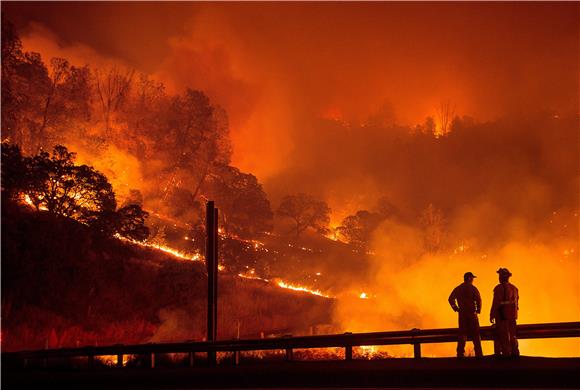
282, 284
174, 252
198, 257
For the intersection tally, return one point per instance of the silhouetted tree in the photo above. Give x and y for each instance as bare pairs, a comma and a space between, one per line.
305, 212
128, 221
66, 100
24, 82
135, 197
357, 229
195, 140
244, 207
113, 86
445, 115
433, 225
54, 183
386, 208
15, 173
62, 188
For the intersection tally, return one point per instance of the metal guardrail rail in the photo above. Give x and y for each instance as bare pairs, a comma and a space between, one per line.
415, 337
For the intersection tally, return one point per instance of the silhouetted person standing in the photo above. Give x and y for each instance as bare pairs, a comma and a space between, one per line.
465, 300
504, 311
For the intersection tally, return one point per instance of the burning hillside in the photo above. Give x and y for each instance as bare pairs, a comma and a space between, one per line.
96, 291
358, 161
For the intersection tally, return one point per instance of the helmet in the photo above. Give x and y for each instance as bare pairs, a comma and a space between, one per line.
504, 272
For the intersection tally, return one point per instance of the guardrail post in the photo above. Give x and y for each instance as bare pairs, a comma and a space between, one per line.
120, 360
348, 352
236, 357
348, 349
152, 360
417, 350
91, 361
191, 359
25, 363
289, 354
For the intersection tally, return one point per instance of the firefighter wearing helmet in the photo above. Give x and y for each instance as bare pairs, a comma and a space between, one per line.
465, 300
504, 312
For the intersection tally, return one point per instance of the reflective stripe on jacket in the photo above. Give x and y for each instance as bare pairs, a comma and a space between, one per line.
505, 302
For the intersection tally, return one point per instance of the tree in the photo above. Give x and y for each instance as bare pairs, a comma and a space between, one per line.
145, 112
53, 183
445, 116
128, 221
62, 188
433, 228
11, 57
244, 207
113, 87
24, 83
135, 197
357, 229
305, 212
15, 176
386, 208
66, 99
195, 139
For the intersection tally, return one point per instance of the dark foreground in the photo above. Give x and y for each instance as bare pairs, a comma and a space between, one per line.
526, 372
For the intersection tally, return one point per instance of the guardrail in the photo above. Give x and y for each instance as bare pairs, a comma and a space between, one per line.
415, 337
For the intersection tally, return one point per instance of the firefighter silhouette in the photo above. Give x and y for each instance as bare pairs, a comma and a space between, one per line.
465, 300
504, 312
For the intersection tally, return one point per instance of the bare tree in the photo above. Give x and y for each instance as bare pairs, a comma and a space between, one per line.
305, 212
445, 116
112, 88
433, 224
59, 70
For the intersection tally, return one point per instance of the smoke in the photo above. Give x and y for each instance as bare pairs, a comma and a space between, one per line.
410, 287
277, 68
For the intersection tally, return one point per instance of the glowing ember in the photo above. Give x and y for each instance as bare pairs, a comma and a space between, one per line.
363, 295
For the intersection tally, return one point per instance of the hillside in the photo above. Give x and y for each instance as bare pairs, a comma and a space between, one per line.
64, 285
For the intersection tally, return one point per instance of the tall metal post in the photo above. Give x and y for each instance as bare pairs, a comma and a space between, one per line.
215, 273
211, 259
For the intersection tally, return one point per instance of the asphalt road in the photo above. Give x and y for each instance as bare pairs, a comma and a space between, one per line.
525, 372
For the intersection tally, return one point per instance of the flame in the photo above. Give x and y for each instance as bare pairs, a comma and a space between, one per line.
295, 287
28, 201
174, 252
251, 275
363, 295
111, 360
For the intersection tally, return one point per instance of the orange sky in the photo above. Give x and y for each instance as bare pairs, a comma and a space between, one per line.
275, 67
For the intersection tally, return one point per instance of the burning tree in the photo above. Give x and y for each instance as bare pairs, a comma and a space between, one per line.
305, 212
62, 188
55, 184
38, 102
